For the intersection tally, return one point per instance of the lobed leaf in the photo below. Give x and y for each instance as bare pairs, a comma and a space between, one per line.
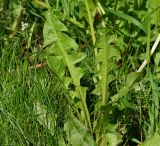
64, 58
104, 60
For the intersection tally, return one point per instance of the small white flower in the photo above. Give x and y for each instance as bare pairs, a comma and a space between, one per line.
24, 25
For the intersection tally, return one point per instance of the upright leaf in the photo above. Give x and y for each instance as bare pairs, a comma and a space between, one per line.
64, 56
105, 65
104, 59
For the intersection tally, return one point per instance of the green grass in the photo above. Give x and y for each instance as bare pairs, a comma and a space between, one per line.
20, 92
71, 74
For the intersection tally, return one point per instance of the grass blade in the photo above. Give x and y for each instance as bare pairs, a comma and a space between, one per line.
129, 19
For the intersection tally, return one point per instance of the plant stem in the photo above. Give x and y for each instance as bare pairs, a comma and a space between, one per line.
91, 25
85, 109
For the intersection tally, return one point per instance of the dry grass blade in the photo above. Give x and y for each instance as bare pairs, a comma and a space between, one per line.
152, 51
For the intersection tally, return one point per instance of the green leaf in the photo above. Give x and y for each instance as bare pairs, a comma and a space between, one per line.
64, 58
104, 60
135, 140
105, 65
157, 59
113, 139
49, 31
131, 78
153, 141
77, 133
124, 103
155, 5
123, 91
129, 19
110, 136
57, 65
43, 117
